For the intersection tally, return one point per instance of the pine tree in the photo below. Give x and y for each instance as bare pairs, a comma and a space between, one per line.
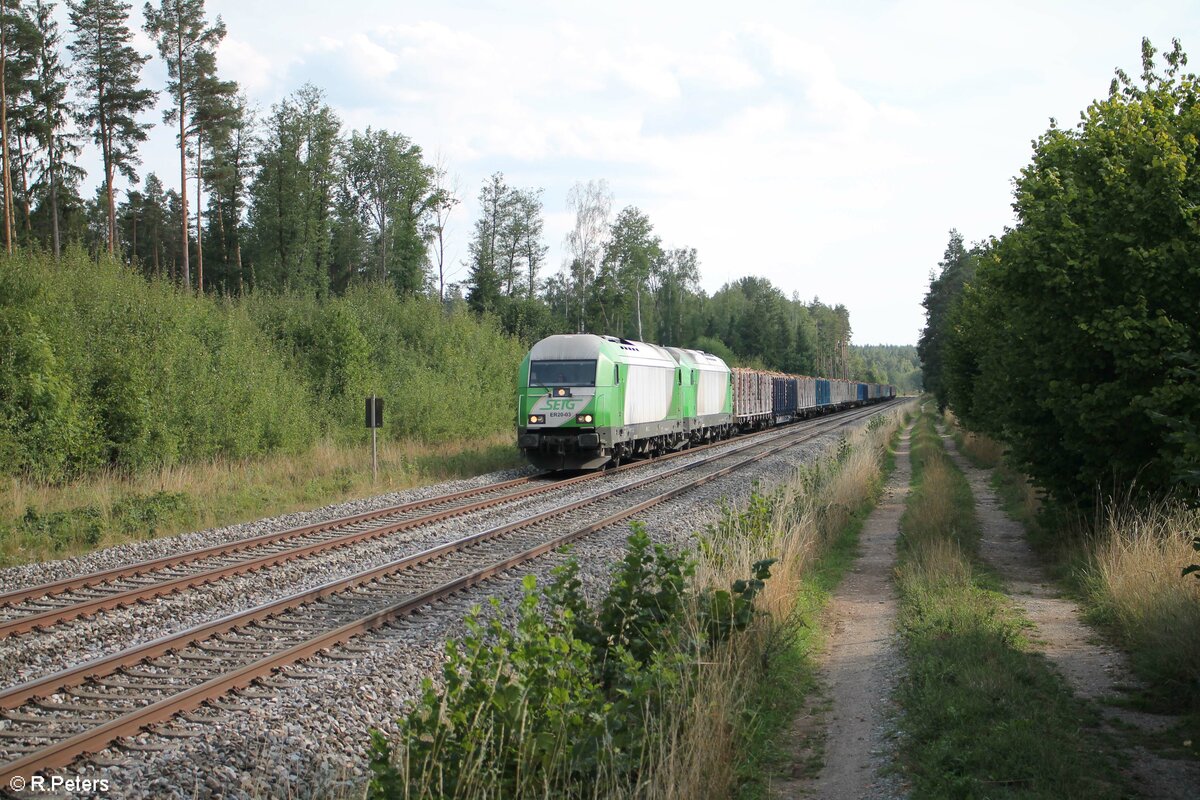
227, 171
17, 36
187, 45
290, 237
216, 105
495, 199
108, 69
56, 143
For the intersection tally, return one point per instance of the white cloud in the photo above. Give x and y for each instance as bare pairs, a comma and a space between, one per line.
253, 70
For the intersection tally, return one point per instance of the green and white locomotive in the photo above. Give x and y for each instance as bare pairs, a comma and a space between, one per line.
585, 400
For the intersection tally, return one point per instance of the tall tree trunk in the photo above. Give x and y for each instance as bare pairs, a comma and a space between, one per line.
25, 189
639, 313
183, 204
54, 201
112, 207
8, 214
199, 234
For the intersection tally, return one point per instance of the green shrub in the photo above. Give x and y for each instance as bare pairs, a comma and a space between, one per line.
102, 368
144, 514
569, 695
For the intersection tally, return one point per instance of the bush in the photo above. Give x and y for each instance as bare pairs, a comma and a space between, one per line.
101, 368
570, 694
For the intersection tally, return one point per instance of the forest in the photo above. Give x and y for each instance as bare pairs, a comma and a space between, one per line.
298, 266
1074, 338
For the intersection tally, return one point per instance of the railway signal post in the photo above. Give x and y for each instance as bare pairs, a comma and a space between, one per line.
374, 422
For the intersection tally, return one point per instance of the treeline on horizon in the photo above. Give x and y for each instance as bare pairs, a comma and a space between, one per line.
1075, 337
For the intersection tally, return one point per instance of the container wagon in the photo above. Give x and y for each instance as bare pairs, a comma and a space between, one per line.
785, 398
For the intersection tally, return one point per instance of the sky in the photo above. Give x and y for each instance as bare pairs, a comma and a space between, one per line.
829, 147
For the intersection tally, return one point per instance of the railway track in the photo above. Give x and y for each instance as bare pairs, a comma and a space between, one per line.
51, 721
38, 607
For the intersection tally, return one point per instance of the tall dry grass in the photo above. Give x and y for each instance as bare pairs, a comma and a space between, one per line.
938, 528
225, 491
1133, 581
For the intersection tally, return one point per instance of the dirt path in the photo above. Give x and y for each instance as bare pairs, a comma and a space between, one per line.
1093, 669
859, 667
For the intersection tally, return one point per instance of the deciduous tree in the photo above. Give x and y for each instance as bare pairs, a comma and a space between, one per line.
1073, 342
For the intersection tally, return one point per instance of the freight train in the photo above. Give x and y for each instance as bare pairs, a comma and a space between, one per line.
585, 401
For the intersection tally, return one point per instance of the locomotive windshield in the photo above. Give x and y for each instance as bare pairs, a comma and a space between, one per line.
562, 373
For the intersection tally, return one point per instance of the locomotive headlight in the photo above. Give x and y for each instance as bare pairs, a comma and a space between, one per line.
561, 392
586, 419
534, 419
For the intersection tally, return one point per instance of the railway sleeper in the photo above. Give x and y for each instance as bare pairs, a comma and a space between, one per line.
275, 626
177, 733
240, 648
290, 672
138, 672
87, 708
119, 697
18, 716
225, 705
149, 687
193, 656
144, 747
9, 733
176, 667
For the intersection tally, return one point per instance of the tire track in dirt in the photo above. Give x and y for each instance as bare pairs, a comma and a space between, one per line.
1093, 669
859, 667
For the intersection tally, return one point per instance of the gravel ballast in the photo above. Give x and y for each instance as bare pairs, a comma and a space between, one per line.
309, 737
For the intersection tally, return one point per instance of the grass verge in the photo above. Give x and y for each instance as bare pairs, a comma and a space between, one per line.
39, 522
790, 677
1125, 569
1133, 589
982, 714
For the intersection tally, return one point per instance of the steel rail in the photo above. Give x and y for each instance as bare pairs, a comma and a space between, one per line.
48, 617
67, 750
14, 696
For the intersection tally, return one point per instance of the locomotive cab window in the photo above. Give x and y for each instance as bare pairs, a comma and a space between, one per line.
562, 373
